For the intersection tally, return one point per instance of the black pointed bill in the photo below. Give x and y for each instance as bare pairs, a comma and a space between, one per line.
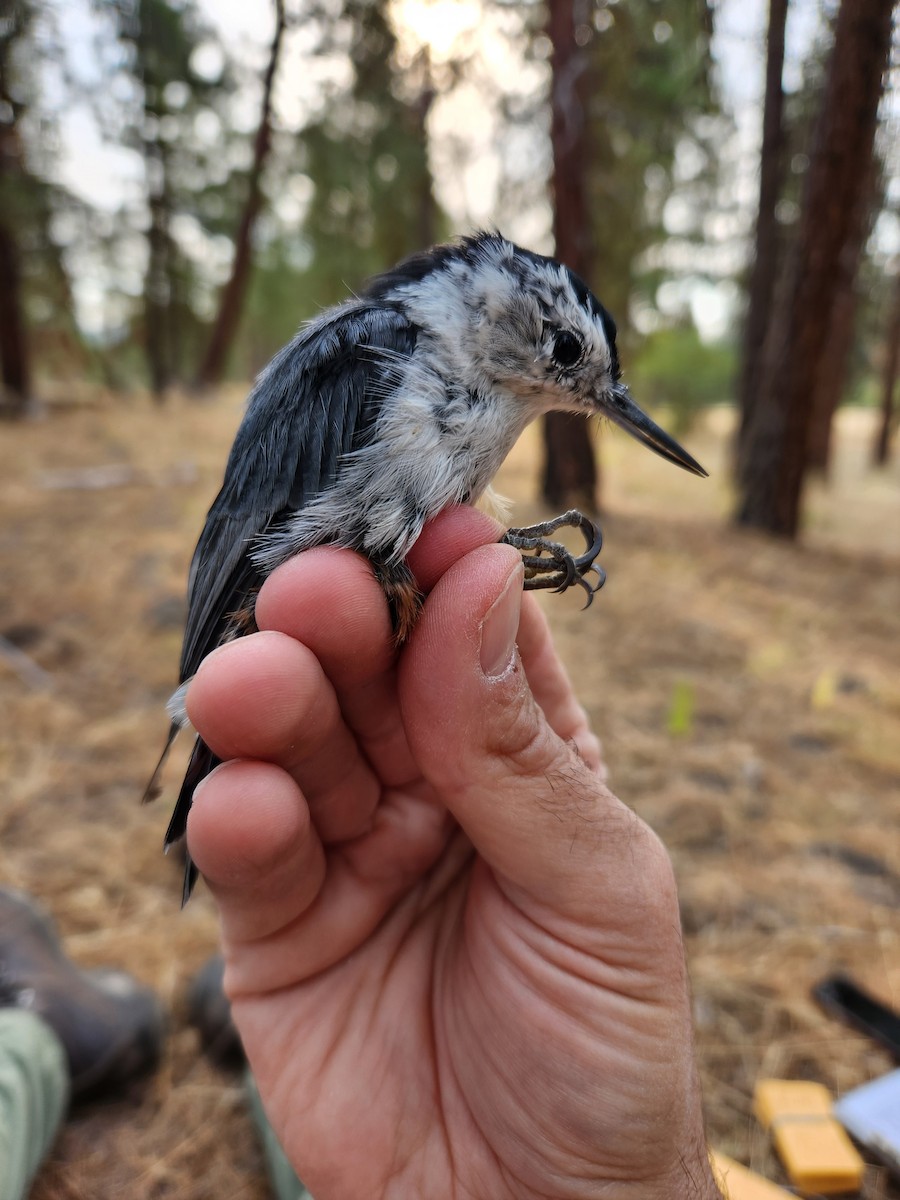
618, 405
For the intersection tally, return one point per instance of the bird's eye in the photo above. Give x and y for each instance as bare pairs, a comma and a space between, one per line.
566, 349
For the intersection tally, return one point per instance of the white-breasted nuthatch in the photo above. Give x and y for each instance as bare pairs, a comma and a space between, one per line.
387, 409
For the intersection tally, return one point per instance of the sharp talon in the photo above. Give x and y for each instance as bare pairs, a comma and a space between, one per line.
592, 589
549, 564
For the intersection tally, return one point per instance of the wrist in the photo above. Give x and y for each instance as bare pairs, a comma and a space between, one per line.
691, 1178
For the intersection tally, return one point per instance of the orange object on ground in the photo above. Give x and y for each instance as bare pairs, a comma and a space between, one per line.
737, 1182
816, 1152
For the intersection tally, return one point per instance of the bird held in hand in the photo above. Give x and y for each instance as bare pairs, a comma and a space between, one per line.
385, 410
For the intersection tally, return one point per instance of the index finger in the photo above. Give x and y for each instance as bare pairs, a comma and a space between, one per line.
329, 600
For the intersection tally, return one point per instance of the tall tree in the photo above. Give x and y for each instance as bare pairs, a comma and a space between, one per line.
163, 47
652, 109
831, 376
774, 462
36, 311
425, 93
367, 156
889, 373
569, 473
17, 189
232, 298
629, 86
356, 178
15, 367
175, 124
764, 271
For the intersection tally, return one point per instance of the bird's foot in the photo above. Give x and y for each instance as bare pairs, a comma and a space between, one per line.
549, 564
403, 596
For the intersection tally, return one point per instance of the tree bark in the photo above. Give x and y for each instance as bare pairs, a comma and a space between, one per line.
231, 303
773, 467
569, 476
764, 271
157, 282
882, 445
831, 378
15, 365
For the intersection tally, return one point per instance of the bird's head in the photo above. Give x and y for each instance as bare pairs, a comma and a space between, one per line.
513, 322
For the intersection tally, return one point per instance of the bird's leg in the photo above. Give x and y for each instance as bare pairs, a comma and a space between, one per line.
403, 597
549, 564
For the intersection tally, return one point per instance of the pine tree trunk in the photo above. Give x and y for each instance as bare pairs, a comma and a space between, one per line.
15, 366
569, 477
232, 300
831, 378
882, 445
157, 282
773, 466
764, 272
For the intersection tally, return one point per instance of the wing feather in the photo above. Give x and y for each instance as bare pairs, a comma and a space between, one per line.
317, 400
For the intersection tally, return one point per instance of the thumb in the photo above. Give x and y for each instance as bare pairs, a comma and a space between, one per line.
532, 808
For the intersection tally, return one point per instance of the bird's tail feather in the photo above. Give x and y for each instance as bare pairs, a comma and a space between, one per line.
201, 763
154, 787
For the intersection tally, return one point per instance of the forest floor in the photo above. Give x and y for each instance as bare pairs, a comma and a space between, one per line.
747, 694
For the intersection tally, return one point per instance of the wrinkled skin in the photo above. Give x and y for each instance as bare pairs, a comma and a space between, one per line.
454, 956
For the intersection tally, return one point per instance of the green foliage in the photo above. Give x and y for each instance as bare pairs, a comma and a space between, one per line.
875, 287
651, 88
364, 163
865, 390
349, 191
368, 159
363, 157
280, 296
675, 369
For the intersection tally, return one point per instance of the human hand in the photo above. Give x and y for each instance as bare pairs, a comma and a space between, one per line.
453, 956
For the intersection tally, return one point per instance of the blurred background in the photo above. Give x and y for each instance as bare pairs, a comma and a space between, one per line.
182, 182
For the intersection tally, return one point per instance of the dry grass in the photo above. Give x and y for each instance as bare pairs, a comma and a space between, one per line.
748, 695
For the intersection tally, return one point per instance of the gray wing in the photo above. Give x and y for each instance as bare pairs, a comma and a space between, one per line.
316, 401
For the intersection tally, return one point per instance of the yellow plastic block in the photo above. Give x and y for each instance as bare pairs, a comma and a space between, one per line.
739, 1183
815, 1150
